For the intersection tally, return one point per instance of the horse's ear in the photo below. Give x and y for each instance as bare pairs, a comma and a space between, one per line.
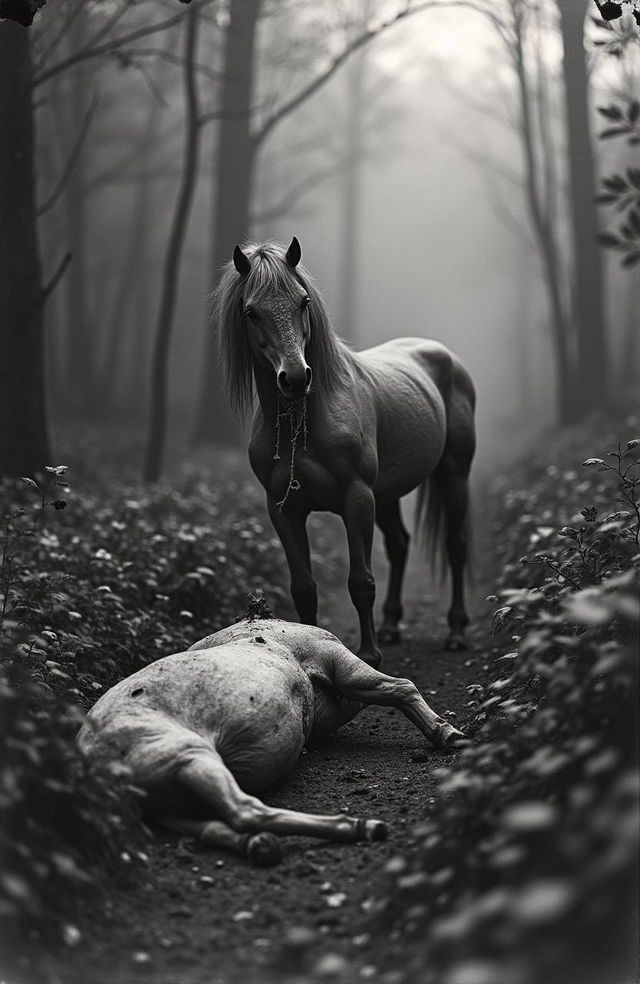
241, 262
293, 253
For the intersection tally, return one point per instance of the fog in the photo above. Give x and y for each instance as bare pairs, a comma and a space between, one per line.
433, 232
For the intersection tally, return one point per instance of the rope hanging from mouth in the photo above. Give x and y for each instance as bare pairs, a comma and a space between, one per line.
297, 416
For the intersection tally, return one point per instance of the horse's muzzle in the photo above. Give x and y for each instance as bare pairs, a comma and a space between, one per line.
294, 384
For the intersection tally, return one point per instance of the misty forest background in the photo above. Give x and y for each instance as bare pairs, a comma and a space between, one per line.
438, 161
465, 170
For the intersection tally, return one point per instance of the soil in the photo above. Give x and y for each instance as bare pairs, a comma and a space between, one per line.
203, 916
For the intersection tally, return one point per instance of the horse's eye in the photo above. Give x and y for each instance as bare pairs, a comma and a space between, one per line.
306, 301
250, 314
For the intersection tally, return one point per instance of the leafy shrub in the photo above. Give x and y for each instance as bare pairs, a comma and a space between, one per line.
88, 594
525, 870
64, 824
129, 574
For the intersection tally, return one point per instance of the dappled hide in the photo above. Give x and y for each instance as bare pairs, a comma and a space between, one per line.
205, 730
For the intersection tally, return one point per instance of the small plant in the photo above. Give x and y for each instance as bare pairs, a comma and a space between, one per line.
602, 546
258, 607
15, 531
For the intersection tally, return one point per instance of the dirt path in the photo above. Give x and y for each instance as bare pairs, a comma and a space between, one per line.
201, 916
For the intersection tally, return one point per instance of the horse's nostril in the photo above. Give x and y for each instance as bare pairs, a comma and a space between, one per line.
283, 381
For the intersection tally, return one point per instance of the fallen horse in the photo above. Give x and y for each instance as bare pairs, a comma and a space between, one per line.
205, 730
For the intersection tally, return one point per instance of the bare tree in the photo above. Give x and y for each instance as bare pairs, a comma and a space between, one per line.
233, 174
352, 178
159, 371
24, 442
592, 363
559, 197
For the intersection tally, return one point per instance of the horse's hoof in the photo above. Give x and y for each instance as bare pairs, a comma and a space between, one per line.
264, 850
372, 830
456, 644
389, 634
449, 738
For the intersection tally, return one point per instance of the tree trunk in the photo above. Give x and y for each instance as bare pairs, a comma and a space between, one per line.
592, 355
131, 274
80, 335
24, 443
230, 222
542, 223
351, 210
159, 373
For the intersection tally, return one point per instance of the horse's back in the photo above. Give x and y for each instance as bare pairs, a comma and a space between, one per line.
251, 703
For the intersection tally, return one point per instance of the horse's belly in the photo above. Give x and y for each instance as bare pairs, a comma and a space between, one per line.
410, 412
409, 448
261, 733
247, 700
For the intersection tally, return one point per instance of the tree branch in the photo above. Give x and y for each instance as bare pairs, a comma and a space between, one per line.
71, 162
358, 42
49, 288
298, 191
107, 48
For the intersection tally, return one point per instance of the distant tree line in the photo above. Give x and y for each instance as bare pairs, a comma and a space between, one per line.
87, 342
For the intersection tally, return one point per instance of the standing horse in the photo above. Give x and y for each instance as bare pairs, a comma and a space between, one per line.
368, 429
203, 731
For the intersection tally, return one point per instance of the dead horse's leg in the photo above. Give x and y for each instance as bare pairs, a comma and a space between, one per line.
206, 775
357, 681
261, 849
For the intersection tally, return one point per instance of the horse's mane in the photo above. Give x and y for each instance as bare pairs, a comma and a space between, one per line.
326, 353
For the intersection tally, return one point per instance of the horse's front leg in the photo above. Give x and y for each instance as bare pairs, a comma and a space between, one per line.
358, 513
292, 530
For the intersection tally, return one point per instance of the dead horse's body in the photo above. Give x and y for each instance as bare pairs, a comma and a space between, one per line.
226, 719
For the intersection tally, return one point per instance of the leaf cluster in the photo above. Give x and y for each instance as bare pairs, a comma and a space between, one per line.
622, 190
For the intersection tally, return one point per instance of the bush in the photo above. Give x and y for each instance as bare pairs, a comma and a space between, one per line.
526, 868
64, 824
88, 594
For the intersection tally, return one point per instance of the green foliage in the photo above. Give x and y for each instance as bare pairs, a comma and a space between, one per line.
526, 868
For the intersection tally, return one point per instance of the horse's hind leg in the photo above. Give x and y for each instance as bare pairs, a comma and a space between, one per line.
396, 543
261, 849
206, 775
358, 514
452, 481
357, 681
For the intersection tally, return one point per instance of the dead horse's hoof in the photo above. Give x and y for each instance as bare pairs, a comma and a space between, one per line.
449, 738
263, 849
456, 644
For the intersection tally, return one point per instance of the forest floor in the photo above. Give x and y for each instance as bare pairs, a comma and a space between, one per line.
203, 916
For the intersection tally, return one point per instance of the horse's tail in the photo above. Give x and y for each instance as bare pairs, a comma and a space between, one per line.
429, 527
430, 530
